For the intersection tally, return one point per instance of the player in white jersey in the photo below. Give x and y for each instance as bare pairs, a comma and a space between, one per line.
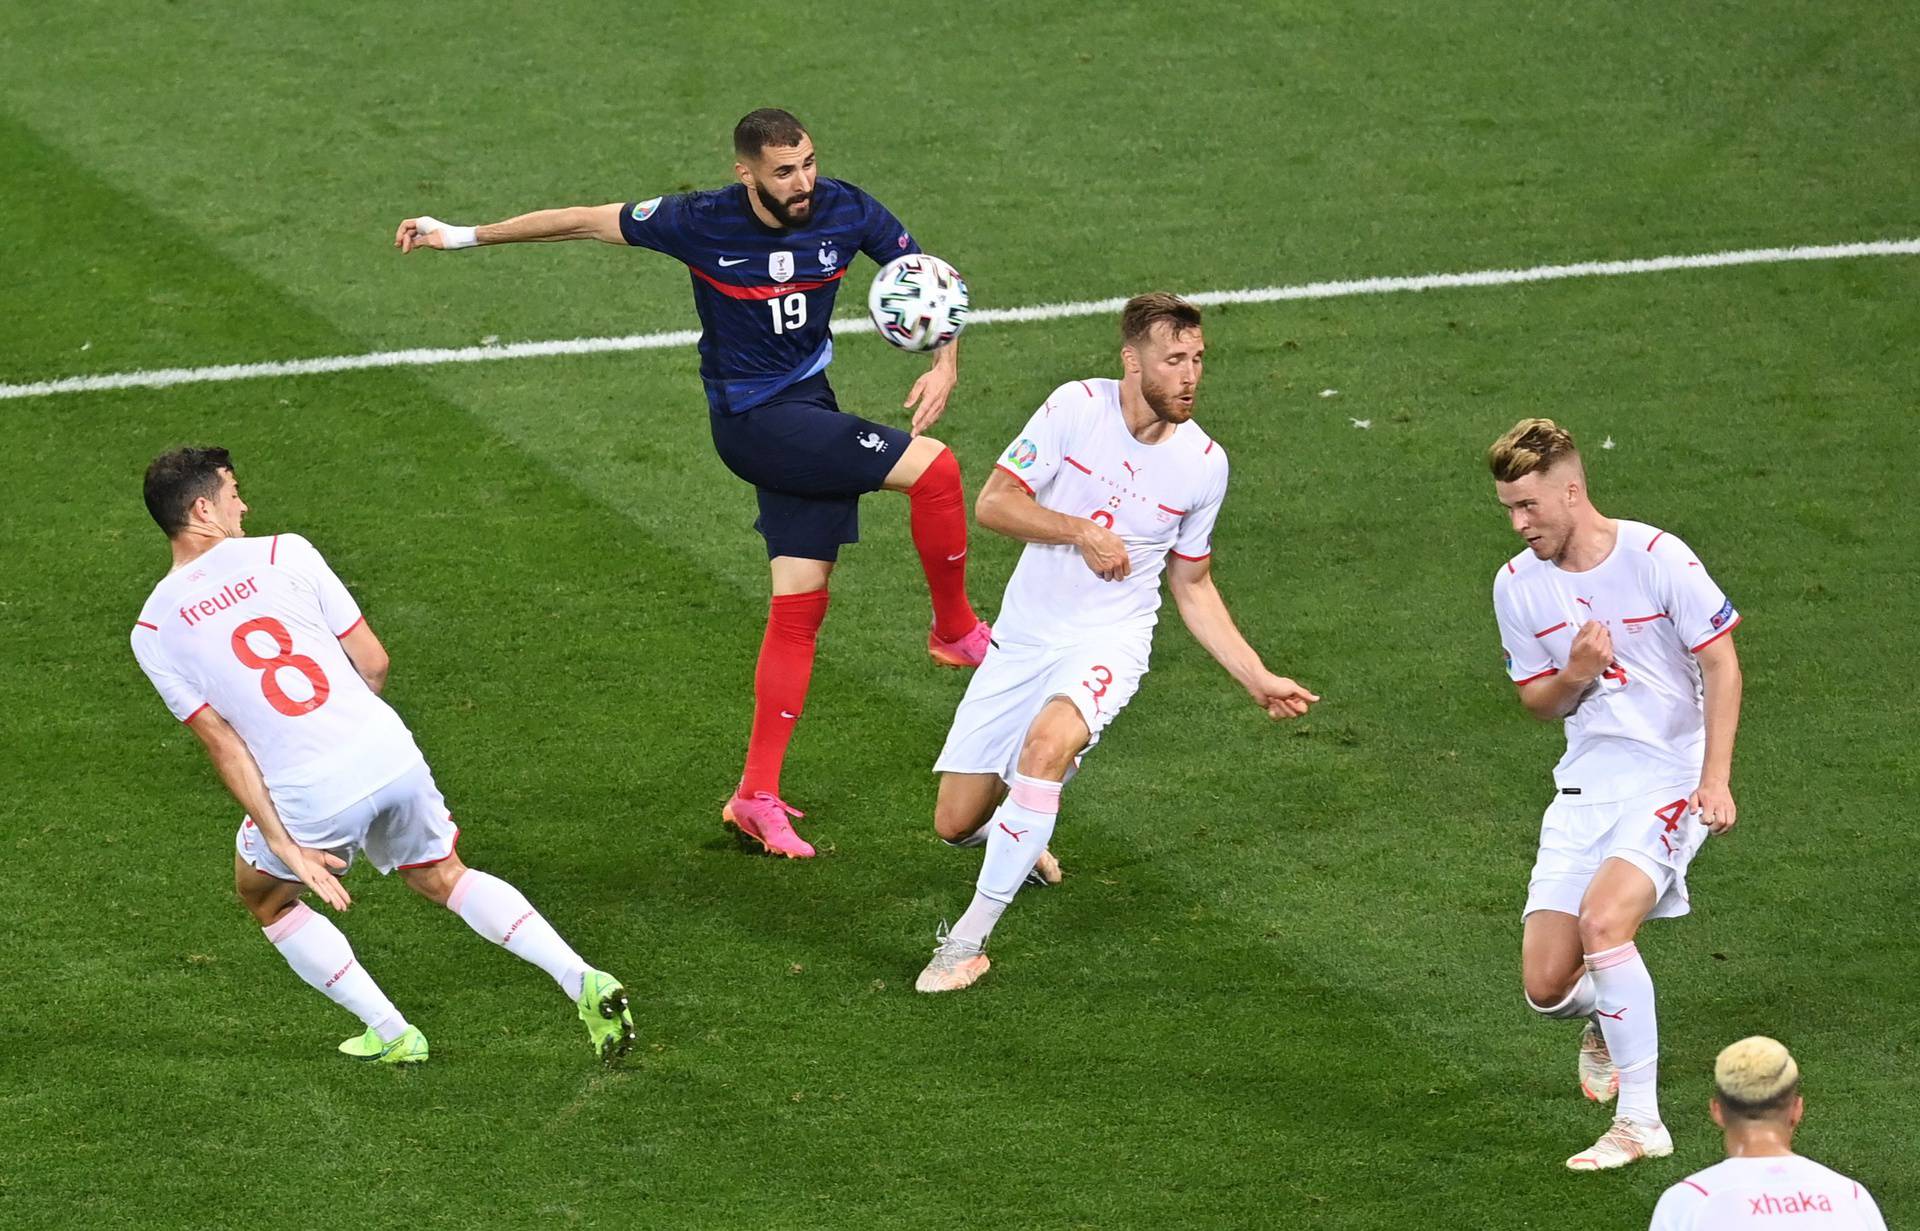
1110, 484
1756, 1099
1615, 628
255, 645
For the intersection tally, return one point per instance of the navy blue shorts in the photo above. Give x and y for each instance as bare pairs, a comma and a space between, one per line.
811, 462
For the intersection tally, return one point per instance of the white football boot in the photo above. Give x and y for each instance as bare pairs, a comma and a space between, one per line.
1599, 1080
1626, 1142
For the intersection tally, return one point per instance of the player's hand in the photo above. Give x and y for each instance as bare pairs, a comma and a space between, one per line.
931, 391
1280, 696
422, 232
316, 871
1105, 552
1713, 804
1592, 652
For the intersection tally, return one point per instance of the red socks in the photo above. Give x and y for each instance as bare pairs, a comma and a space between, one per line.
780, 684
937, 513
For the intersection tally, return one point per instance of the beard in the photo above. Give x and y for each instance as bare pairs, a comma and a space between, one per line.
782, 210
1161, 400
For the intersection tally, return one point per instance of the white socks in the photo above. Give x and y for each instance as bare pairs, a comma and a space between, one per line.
1020, 829
503, 915
320, 954
1576, 1003
1624, 1006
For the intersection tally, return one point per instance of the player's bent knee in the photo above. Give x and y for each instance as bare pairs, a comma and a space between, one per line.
1552, 999
435, 881
1606, 927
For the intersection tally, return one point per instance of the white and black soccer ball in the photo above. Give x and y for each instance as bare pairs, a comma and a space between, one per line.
918, 302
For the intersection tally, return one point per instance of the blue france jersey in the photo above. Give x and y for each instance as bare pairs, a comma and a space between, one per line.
765, 297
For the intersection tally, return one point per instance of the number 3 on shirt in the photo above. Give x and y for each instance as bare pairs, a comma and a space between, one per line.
789, 312
269, 668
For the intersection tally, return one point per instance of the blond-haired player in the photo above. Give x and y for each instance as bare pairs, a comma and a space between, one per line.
255, 645
1762, 1182
1110, 484
1616, 629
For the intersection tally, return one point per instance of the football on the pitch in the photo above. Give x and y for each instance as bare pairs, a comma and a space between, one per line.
918, 302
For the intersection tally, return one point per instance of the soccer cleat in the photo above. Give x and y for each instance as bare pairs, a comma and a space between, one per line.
603, 1007
409, 1048
956, 964
1046, 871
764, 819
968, 651
1627, 1141
1599, 1080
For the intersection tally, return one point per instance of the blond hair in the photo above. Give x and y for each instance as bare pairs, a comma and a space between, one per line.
1756, 1077
1530, 447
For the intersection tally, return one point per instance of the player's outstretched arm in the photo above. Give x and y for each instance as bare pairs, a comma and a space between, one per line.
1207, 618
601, 222
367, 655
241, 773
1555, 696
1006, 507
1722, 683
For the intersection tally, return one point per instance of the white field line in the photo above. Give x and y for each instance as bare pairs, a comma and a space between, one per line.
161, 378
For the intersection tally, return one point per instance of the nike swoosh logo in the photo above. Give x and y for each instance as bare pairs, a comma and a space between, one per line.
957, 556
726, 264
788, 714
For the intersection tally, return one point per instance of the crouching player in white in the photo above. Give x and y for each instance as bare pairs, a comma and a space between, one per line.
1107, 481
1756, 1099
1616, 628
258, 648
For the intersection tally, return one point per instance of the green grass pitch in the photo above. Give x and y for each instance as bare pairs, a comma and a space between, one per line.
1279, 987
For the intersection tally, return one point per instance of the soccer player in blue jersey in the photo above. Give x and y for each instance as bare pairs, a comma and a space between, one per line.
766, 256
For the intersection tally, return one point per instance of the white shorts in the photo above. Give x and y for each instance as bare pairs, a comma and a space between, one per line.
1653, 831
1014, 684
404, 824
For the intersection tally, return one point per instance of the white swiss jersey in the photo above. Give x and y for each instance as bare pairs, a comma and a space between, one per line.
252, 628
1077, 457
1785, 1191
1643, 720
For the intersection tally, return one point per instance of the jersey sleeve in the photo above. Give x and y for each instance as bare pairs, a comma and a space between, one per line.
1527, 659
660, 223
1870, 1216
1701, 612
1195, 540
337, 606
882, 236
182, 696
1675, 1210
1034, 458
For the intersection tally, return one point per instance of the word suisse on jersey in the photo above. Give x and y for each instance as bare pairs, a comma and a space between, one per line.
765, 297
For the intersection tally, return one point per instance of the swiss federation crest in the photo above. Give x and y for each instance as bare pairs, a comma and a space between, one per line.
829, 257
780, 267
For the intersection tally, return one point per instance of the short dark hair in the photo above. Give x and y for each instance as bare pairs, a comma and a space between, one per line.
1758, 1109
767, 126
178, 478
1143, 312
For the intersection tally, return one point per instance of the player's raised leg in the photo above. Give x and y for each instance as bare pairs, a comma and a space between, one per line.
320, 955
780, 683
1554, 973
502, 914
1017, 834
1619, 898
937, 514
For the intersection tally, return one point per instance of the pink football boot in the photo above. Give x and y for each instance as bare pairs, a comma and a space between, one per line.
764, 819
968, 651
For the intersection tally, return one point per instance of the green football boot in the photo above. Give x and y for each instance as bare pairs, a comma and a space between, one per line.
603, 1007
409, 1048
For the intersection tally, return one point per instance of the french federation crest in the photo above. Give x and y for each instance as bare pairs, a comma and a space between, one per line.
829, 257
780, 267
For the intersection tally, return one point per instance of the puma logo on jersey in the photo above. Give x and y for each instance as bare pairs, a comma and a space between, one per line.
871, 440
1133, 471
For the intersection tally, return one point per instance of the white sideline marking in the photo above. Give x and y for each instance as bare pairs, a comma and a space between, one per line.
161, 378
